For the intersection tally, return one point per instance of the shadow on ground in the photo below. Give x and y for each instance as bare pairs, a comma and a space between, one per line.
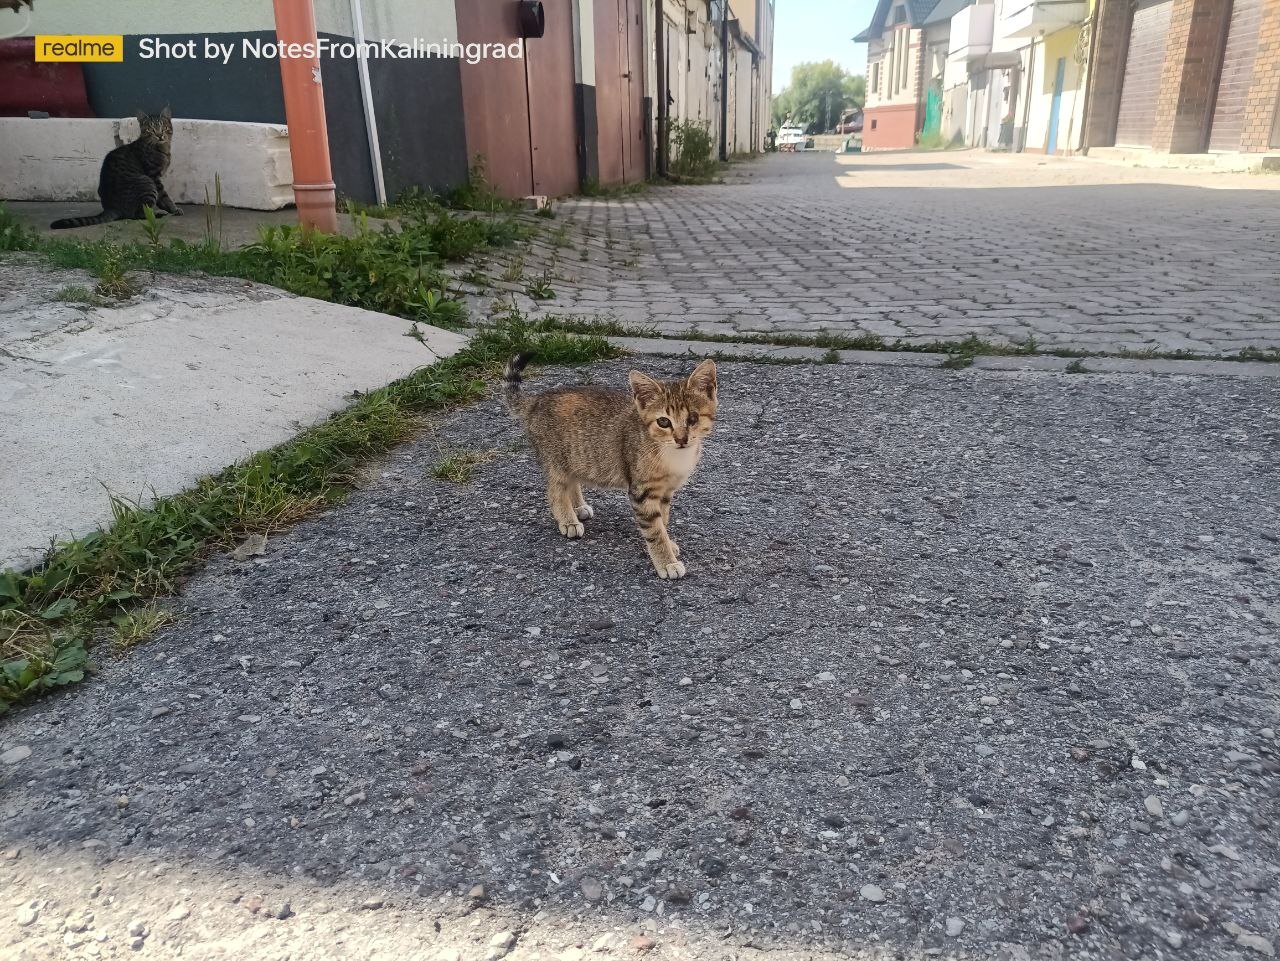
973, 664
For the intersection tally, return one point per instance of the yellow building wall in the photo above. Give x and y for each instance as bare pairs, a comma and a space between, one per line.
1065, 44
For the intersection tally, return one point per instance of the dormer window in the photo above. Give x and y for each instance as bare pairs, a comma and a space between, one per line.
899, 15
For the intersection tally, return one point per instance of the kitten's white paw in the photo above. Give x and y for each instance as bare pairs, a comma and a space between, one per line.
572, 530
670, 572
585, 513
675, 548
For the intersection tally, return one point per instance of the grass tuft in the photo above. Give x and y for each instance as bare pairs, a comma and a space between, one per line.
460, 465
131, 628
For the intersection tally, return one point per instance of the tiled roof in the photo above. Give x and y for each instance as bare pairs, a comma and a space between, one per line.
917, 11
945, 10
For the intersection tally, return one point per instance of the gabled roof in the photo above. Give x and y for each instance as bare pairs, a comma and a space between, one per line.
945, 10
917, 10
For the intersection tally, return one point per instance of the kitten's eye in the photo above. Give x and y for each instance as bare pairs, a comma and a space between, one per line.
664, 422
693, 418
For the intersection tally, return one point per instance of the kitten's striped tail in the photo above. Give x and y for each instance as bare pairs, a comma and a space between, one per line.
103, 218
511, 381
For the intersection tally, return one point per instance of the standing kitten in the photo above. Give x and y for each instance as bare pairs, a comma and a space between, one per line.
647, 444
130, 178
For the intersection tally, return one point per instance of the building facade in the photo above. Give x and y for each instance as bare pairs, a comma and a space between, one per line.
896, 88
575, 105
1186, 76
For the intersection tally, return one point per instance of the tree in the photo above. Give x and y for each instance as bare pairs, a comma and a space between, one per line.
817, 95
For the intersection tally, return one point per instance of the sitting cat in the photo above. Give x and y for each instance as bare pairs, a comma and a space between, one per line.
646, 443
130, 178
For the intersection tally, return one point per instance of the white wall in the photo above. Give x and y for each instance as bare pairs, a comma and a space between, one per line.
57, 159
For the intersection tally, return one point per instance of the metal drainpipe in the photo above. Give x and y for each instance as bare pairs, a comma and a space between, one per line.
366, 95
313, 187
660, 55
1026, 107
1087, 81
724, 84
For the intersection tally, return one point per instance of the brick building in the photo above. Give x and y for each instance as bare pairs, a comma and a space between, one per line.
897, 80
1186, 76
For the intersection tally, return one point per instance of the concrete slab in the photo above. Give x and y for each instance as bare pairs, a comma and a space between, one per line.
148, 397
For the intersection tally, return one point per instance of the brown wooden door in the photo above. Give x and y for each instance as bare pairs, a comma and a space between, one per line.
494, 98
611, 89
620, 120
552, 126
635, 148
1237, 74
1142, 71
519, 112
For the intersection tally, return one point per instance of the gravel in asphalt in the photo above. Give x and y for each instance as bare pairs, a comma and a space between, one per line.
971, 663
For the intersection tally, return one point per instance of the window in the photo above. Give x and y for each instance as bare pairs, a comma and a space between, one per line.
899, 15
873, 123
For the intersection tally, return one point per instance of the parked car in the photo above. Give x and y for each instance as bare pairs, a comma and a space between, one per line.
850, 122
792, 137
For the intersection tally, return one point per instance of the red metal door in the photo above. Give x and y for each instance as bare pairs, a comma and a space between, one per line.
552, 127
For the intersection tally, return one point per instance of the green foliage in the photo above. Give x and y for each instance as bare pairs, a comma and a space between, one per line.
541, 288
14, 234
460, 465
817, 95
78, 294
395, 269
112, 270
152, 226
691, 150
111, 578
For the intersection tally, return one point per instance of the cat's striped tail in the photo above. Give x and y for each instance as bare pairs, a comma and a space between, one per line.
103, 218
511, 381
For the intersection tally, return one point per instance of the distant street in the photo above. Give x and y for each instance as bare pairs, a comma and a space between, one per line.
928, 246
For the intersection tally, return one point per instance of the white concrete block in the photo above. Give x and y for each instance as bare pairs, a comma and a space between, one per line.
59, 159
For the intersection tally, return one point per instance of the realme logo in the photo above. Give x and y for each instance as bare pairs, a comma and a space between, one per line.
77, 49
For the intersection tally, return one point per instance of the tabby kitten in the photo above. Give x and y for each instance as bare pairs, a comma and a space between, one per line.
130, 178
646, 443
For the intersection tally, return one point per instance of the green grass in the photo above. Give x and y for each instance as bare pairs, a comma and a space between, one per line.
130, 628
104, 586
961, 352
460, 465
392, 268
78, 294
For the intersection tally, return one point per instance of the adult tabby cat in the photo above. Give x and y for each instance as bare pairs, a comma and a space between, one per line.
646, 443
130, 178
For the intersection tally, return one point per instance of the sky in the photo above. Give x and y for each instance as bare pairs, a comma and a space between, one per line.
810, 30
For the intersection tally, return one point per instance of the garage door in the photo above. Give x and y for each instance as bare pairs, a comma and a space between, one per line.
1237, 72
1142, 70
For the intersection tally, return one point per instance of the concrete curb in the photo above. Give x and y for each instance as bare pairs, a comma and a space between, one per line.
661, 346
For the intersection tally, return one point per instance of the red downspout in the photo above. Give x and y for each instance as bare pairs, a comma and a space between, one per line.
313, 188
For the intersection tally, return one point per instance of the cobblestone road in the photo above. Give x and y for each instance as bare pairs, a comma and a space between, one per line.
921, 247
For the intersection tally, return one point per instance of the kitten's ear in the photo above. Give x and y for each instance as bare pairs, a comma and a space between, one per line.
644, 388
703, 378
166, 113
142, 116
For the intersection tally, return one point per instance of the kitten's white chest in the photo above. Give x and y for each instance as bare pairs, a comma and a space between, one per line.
680, 461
